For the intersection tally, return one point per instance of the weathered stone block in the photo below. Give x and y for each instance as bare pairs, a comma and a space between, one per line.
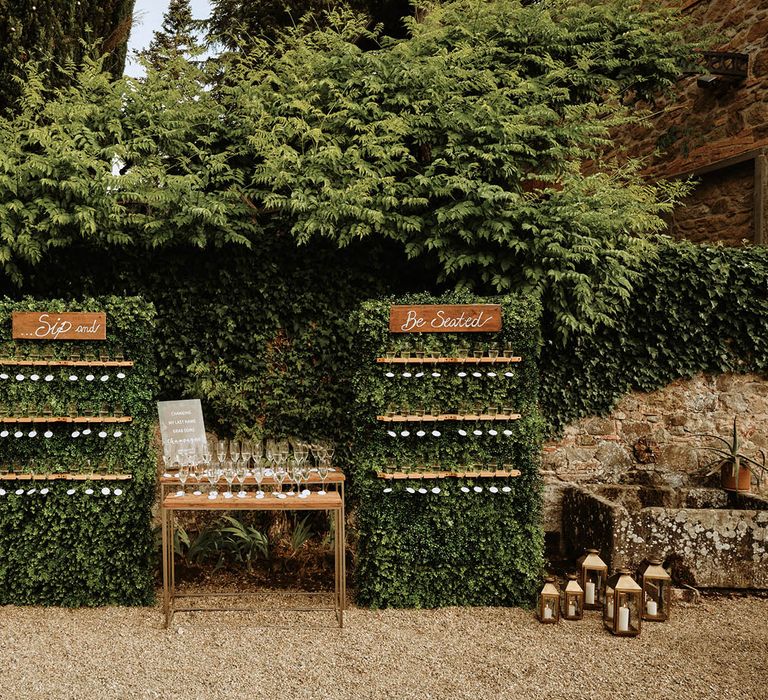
600, 426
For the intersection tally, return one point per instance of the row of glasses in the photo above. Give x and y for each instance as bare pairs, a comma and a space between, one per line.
231, 459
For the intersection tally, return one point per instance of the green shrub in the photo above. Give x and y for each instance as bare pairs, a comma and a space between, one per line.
76, 550
449, 548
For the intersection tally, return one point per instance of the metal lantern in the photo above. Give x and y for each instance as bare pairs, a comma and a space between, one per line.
572, 599
548, 609
593, 574
657, 588
623, 604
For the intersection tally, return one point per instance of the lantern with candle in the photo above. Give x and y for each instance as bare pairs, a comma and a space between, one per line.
657, 588
593, 574
572, 599
548, 609
623, 604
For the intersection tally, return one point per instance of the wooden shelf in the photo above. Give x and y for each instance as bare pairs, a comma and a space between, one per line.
66, 477
447, 360
315, 501
498, 474
472, 417
66, 419
66, 363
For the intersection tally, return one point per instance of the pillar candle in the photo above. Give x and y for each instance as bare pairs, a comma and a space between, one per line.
589, 596
571, 609
623, 619
652, 607
547, 613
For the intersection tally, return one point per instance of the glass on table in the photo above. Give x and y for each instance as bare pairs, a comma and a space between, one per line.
213, 474
183, 475
240, 474
258, 474
230, 471
280, 473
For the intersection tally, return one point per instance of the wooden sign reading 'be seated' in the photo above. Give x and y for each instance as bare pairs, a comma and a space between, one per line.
44, 325
445, 318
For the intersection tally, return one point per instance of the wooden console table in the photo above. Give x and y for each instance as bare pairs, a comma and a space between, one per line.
332, 501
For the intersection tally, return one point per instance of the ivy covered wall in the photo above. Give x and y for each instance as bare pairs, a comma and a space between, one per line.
448, 547
72, 549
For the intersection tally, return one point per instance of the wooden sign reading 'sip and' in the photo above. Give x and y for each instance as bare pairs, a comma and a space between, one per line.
445, 318
47, 325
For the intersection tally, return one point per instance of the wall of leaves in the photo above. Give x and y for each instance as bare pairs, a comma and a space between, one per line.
451, 547
696, 309
79, 549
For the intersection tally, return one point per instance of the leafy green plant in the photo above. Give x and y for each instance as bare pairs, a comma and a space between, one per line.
730, 454
449, 548
245, 542
301, 534
74, 550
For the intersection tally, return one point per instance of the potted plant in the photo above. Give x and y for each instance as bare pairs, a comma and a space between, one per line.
736, 468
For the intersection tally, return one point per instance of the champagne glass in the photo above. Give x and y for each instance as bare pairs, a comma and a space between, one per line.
258, 474
229, 476
280, 474
196, 472
322, 470
240, 476
214, 474
246, 450
289, 475
296, 474
305, 474
183, 475
234, 451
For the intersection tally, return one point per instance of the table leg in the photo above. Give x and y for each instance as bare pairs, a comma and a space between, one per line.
166, 581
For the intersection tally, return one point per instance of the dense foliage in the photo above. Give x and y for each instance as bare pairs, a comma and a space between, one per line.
58, 32
463, 144
80, 549
253, 332
177, 36
466, 143
237, 24
449, 548
696, 309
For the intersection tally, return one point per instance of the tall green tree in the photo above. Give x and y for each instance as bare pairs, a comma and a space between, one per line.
237, 23
58, 32
177, 35
477, 142
476, 145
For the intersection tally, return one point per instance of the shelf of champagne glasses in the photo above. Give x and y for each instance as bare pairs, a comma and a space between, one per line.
455, 474
446, 360
472, 417
65, 419
66, 363
65, 477
334, 477
314, 501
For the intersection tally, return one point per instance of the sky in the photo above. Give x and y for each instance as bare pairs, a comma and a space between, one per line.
148, 17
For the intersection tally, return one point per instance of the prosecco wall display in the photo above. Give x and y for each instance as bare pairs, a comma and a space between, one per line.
447, 450
76, 391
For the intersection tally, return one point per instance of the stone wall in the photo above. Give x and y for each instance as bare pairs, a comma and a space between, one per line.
695, 128
721, 208
656, 439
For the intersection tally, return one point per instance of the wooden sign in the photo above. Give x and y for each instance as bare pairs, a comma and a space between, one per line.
445, 318
48, 325
181, 427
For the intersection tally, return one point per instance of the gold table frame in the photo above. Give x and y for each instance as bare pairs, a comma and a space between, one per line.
332, 502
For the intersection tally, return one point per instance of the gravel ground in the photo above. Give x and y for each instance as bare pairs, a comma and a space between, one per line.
716, 649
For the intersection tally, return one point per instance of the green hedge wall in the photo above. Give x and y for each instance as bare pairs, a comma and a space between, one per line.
74, 550
252, 333
697, 309
449, 548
